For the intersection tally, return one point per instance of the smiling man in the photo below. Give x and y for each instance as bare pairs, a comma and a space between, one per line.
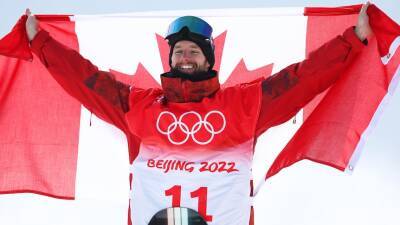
188, 58
196, 139
192, 58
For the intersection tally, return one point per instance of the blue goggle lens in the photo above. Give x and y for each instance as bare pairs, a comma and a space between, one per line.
194, 24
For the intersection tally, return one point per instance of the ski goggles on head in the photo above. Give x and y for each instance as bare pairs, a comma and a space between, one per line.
194, 24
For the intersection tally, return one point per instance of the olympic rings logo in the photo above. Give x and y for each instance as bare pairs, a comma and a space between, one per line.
190, 132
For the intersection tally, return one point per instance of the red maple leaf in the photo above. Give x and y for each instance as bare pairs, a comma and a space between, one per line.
143, 79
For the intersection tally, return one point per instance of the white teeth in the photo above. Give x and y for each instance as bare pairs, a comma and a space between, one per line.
186, 66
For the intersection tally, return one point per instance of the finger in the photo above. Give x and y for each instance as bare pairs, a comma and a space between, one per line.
365, 7
28, 12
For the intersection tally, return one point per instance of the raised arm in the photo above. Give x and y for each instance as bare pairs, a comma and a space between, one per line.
286, 92
96, 90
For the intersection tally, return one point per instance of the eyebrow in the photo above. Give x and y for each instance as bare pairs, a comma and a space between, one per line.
191, 46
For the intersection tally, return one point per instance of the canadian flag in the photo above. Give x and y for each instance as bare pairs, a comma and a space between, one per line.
51, 145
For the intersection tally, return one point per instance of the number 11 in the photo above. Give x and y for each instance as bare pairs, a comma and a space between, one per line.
201, 193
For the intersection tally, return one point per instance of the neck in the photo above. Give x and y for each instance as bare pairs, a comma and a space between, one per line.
181, 87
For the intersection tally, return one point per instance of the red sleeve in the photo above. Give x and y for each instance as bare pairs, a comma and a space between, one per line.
286, 92
96, 90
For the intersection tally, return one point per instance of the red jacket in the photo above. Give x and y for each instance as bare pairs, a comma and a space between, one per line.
283, 94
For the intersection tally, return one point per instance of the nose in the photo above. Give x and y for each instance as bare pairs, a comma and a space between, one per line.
184, 58
186, 55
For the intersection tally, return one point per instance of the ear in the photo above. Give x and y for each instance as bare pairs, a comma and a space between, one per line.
208, 65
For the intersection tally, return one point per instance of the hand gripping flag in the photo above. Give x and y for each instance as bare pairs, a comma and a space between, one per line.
335, 124
42, 128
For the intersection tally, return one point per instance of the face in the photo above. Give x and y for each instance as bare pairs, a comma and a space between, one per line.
188, 58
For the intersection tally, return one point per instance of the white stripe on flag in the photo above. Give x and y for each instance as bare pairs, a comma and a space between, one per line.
260, 40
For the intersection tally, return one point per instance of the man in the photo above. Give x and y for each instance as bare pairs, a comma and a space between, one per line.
196, 139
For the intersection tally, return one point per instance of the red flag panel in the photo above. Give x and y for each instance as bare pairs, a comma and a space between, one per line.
39, 131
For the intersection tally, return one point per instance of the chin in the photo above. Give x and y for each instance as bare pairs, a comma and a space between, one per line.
185, 71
